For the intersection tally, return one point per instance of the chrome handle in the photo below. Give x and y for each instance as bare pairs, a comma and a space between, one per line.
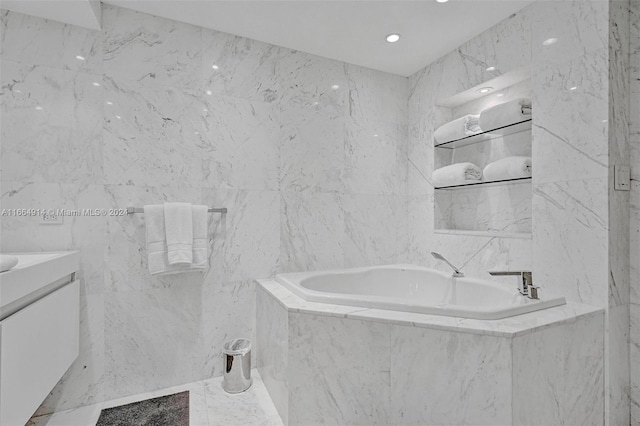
525, 287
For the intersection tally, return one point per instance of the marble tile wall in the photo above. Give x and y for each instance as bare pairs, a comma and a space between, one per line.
308, 154
634, 139
580, 225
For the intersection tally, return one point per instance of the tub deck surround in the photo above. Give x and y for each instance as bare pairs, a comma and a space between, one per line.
338, 364
410, 288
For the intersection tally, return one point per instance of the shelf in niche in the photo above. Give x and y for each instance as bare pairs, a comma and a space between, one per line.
484, 183
472, 233
511, 129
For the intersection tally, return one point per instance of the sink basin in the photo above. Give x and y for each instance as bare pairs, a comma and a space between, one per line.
35, 275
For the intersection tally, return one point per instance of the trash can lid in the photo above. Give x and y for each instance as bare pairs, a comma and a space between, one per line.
237, 347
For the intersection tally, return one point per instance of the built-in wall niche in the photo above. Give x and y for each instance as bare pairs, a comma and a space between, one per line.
495, 208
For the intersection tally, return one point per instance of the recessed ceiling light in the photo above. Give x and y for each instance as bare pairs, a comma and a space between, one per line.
215, 67
392, 38
442, 1
81, 58
485, 89
549, 41
573, 88
335, 87
491, 69
500, 95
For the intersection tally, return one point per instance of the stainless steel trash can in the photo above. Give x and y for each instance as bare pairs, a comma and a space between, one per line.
237, 366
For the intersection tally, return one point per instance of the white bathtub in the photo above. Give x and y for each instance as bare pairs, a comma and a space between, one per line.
411, 288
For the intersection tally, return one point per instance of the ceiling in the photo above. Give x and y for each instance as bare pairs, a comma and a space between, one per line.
347, 30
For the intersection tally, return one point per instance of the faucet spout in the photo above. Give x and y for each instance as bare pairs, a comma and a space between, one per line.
456, 271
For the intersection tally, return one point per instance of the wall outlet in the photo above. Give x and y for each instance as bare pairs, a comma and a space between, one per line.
621, 178
51, 218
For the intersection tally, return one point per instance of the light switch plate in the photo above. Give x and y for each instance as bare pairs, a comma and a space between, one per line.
621, 178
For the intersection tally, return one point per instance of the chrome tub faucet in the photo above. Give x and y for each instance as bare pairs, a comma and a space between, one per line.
456, 271
525, 285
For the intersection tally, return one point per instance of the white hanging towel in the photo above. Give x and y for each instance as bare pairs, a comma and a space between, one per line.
178, 224
157, 251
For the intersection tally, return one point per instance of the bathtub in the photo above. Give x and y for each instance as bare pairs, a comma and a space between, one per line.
409, 288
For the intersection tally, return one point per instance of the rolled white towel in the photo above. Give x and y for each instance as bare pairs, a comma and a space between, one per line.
456, 174
457, 129
508, 168
7, 261
505, 113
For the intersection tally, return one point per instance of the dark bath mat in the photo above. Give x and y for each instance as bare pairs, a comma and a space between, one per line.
169, 410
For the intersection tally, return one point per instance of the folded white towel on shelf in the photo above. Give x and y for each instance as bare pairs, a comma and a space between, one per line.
456, 174
7, 261
457, 129
156, 235
505, 113
178, 222
508, 168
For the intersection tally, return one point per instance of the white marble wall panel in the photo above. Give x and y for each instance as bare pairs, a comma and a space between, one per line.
311, 231
30, 40
439, 377
145, 49
634, 148
152, 339
570, 224
240, 143
348, 384
272, 342
152, 135
551, 365
375, 229
52, 124
246, 68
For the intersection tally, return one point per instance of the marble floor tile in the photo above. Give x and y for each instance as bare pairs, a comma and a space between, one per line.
209, 404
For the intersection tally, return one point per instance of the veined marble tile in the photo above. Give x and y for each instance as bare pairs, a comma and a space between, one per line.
420, 224
152, 135
571, 244
83, 233
125, 253
152, 338
34, 41
570, 134
348, 384
376, 230
618, 367
307, 80
311, 231
439, 377
150, 50
551, 365
252, 407
219, 326
82, 384
311, 149
634, 243
52, 124
580, 27
245, 243
505, 46
272, 343
634, 358
240, 143
375, 158
619, 247
375, 96
245, 68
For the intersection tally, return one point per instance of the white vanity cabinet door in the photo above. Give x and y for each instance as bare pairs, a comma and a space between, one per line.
37, 346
